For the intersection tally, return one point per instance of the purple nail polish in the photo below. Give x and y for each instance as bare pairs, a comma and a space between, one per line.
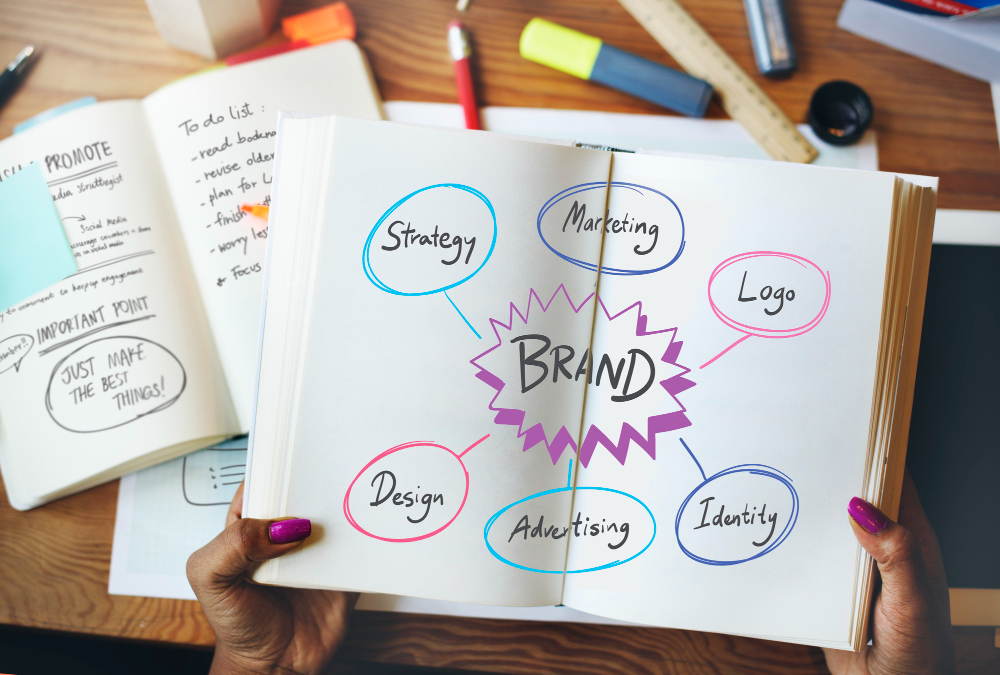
867, 516
287, 531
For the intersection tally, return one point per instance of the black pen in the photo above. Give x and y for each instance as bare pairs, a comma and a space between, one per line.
15, 71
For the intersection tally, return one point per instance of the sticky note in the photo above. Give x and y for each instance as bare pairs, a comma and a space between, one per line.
34, 251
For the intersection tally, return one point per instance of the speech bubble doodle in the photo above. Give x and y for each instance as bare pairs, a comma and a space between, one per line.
403, 248
210, 477
409, 492
111, 382
763, 508
768, 294
534, 357
13, 350
521, 532
645, 224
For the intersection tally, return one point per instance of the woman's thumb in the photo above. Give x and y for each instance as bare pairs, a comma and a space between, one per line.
895, 548
246, 541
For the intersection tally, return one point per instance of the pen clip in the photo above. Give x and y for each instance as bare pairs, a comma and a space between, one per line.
23, 59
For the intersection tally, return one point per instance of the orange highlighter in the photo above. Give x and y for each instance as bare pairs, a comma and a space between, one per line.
256, 210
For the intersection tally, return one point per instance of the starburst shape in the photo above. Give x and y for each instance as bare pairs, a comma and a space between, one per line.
628, 417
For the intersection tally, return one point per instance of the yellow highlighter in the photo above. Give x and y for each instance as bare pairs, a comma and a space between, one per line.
586, 57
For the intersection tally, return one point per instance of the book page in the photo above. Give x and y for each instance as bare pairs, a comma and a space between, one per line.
645, 133
431, 435
215, 133
120, 362
727, 421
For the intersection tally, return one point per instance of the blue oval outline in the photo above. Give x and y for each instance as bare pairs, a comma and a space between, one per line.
489, 524
754, 469
559, 196
366, 264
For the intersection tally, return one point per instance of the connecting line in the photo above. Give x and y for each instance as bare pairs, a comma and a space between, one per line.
463, 316
471, 446
569, 475
703, 476
722, 353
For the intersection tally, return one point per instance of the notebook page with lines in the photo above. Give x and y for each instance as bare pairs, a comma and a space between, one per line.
122, 365
147, 352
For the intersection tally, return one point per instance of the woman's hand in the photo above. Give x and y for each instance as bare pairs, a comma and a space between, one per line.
264, 629
912, 617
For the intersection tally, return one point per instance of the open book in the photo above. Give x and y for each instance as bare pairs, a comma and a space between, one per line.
645, 387
148, 352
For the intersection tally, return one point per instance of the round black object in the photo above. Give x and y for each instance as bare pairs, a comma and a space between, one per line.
840, 112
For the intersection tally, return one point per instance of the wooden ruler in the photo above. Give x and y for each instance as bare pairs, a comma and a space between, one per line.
696, 51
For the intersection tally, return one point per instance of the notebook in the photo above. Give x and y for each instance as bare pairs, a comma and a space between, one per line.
511, 373
148, 351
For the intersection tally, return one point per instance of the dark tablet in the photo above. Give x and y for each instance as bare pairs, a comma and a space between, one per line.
954, 444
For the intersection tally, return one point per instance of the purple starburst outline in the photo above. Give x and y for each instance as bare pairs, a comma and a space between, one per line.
594, 436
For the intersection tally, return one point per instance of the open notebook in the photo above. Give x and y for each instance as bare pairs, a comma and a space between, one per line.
512, 373
148, 351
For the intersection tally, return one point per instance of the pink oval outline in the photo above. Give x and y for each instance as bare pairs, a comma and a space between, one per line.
404, 446
755, 330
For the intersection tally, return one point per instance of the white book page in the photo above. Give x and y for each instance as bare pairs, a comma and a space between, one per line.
758, 406
122, 361
215, 133
411, 378
642, 133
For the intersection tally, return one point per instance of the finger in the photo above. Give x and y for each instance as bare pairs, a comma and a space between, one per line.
911, 514
839, 660
228, 557
896, 550
236, 506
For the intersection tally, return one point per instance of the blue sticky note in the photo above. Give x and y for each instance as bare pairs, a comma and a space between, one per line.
34, 251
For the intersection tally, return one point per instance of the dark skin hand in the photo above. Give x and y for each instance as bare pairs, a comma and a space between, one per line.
912, 617
263, 629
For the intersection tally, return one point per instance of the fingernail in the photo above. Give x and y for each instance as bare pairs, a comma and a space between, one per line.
287, 531
867, 516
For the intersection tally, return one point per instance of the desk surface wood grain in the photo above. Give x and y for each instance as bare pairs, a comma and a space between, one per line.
54, 559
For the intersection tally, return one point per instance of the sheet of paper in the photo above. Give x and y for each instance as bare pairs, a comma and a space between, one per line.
995, 90
215, 135
167, 512
972, 228
34, 252
665, 133
120, 361
748, 426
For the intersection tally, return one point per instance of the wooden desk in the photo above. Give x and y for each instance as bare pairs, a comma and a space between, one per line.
54, 559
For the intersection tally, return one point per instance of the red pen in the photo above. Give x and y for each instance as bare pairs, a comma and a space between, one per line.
458, 45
